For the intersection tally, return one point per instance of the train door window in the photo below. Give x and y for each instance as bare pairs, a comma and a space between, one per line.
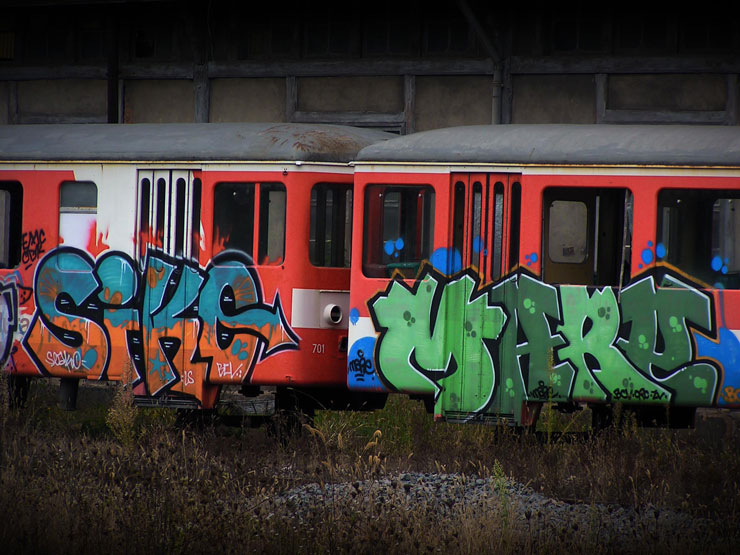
699, 232
458, 221
515, 224
271, 250
78, 207
470, 229
586, 236
468, 210
250, 217
196, 231
144, 213
479, 222
11, 210
161, 204
399, 229
330, 236
169, 212
179, 216
477, 240
498, 227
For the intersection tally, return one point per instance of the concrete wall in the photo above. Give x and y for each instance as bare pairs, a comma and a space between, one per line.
440, 101
159, 101
54, 61
247, 100
450, 101
667, 92
71, 97
57, 100
553, 99
350, 94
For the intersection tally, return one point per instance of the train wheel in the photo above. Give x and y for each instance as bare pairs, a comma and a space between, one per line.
68, 388
292, 411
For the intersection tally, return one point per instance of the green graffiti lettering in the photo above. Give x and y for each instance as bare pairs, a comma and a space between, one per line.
538, 301
489, 349
435, 339
591, 325
660, 340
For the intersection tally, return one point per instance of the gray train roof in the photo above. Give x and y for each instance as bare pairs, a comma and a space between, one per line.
671, 145
185, 142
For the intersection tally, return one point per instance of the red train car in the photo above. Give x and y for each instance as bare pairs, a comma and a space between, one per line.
180, 258
496, 268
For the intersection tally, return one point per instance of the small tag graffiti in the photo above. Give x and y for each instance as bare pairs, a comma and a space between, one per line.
32, 245
361, 366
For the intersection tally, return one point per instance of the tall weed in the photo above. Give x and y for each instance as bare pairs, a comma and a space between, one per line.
181, 490
121, 417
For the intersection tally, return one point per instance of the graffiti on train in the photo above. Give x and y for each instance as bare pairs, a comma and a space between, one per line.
171, 321
448, 336
8, 318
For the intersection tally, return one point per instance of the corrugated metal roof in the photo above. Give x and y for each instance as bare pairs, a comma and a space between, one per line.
670, 145
186, 142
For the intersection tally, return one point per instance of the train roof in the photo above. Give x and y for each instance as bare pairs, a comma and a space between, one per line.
533, 144
185, 142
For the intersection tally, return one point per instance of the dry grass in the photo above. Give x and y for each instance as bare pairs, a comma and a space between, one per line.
100, 479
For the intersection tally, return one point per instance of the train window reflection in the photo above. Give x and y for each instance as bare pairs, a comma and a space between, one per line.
498, 226
699, 232
233, 217
399, 229
243, 211
272, 224
587, 235
11, 209
330, 237
568, 231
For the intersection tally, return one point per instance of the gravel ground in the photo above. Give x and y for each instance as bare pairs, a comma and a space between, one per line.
452, 496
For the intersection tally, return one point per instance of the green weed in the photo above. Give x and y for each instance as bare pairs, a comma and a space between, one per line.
155, 486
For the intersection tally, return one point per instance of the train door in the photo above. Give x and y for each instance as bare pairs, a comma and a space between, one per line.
483, 209
168, 235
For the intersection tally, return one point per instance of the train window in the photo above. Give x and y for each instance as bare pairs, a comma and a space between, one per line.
477, 243
699, 232
477, 225
144, 216
11, 209
233, 217
586, 235
240, 208
399, 229
179, 216
330, 236
515, 224
161, 200
272, 224
169, 213
498, 226
195, 230
458, 218
78, 207
78, 196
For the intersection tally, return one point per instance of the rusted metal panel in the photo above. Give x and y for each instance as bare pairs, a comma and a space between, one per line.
186, 142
